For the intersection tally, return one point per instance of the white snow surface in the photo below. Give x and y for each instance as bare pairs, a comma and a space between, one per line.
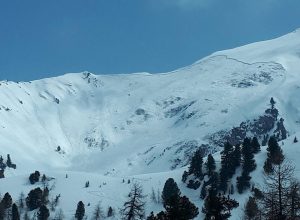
128, 126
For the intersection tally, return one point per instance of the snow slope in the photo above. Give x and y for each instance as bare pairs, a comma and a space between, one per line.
142, 126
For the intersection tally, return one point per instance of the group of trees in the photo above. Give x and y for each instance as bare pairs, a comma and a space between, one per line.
249, 148
177, 207
280, 197
3, 165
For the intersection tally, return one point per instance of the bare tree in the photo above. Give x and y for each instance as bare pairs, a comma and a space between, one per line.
280, 184
134, 208
98, 212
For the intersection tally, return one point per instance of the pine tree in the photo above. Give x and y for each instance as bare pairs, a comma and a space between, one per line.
210, 165
34, 199
295, 140
274, 151
170, 193
255, 145
43, 213
268, 167
243, 182
248, 157
15, 212
218, 207
8, 161
7, 201
151, 216
196, 164
134, 207
236, 157
186, 210
203, 191
227, 166
184, 176
251, 209
272, 103
110, 212
80, 211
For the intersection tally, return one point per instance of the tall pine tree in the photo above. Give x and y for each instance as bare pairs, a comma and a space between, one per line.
196, 164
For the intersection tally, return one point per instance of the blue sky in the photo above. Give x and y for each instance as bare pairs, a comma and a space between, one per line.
40, 38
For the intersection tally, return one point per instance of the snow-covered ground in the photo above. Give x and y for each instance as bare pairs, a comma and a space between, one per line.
142, 126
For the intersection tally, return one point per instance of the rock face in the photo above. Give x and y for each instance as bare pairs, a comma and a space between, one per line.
263, 127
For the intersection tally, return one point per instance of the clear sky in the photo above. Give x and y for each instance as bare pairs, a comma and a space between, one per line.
43, 38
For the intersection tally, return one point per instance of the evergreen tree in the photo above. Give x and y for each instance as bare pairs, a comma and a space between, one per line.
295, 140
8, 161
268, 167
196, 164
110, 212
236, 157
34, 199
248, 157
274, 151
15, 212
203, 191
184, 176
218, 207
151, 216
7, 201
210, 165
34, 177
2, 211
227, 166
134, 207
272, 103
186, 210
43, 213
80, 211
170, 194
243, 182
251, 209
255, 145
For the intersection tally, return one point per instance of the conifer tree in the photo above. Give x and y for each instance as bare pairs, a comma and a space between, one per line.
43, 213
248, 157
80, 211
295, 140
15, 212
243, 182
186, 210
268, 167
227, 166
7, 201
210, 165
196, 164
218, 207
236, 157
251, 209
203, 191
170, 194
255, 145
110, 212
34, 199
274, 151
272, 103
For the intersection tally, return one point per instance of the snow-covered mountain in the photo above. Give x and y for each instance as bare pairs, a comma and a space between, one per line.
104, 128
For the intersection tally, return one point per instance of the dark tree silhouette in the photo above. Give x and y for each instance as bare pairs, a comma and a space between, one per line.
80, 211
134, 207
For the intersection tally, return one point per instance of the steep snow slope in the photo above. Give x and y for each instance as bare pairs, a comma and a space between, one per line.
111, 127
133, 119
